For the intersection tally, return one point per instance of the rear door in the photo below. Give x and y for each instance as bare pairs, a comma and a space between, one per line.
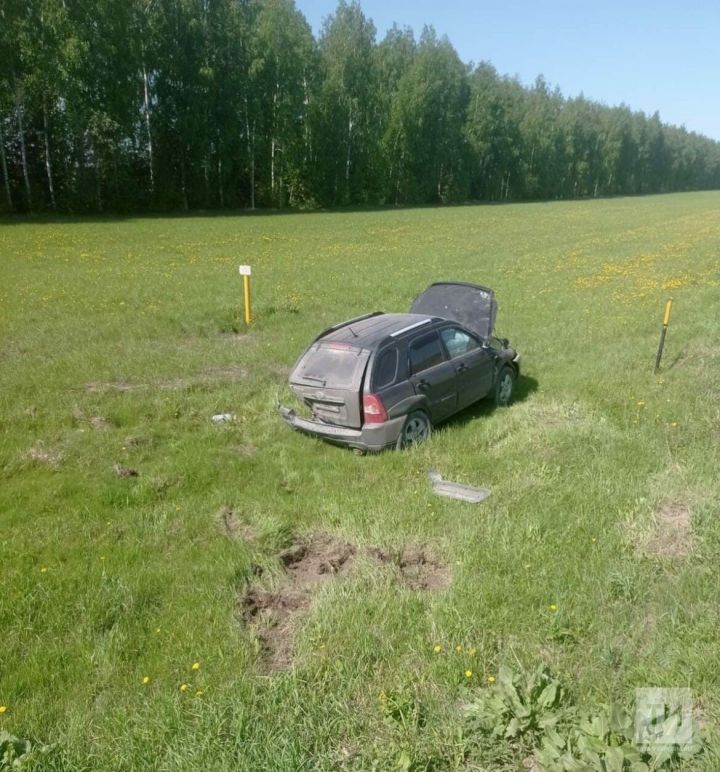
473, 364
433, 375
328, 378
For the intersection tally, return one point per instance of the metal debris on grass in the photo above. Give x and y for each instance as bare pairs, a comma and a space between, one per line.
457, 490
224, 418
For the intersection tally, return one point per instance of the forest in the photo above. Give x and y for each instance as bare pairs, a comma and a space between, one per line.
160, 105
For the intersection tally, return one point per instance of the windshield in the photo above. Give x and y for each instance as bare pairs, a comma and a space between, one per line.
336, 365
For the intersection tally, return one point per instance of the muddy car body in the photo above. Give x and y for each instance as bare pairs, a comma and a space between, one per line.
384, 379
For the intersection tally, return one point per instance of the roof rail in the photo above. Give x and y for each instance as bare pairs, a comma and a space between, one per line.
410, 327
345, 324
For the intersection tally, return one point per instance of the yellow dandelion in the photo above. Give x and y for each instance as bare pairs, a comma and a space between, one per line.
674, 424
437, 648
491, 679
146, 679
184, 687
196, 666
552, 607
468, 674
458, 649
43, 570
3, 708
199, 693
157, 629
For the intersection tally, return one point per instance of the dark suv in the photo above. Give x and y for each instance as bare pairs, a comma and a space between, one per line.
383, 380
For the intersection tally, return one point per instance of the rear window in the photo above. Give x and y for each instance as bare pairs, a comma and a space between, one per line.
335, 365
425, 352
385, 369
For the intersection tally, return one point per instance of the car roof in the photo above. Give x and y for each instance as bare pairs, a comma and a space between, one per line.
369, 331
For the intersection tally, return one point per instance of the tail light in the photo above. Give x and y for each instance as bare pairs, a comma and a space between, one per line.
374, 409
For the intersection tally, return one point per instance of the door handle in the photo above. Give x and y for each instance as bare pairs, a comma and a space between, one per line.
423, 385
462, 367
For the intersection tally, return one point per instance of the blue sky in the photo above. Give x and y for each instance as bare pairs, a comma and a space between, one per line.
659, 55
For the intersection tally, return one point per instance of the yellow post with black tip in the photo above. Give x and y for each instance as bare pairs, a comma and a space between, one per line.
663, 333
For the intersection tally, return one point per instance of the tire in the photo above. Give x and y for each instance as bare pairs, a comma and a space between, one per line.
416, 429
504, 386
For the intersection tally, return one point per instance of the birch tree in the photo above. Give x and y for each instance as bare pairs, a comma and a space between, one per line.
282, 54
430, 114
350, 135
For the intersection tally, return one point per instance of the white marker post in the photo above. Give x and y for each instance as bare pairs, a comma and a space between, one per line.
245, 272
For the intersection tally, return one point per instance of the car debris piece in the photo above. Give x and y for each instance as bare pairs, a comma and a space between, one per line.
224, 418
457, 490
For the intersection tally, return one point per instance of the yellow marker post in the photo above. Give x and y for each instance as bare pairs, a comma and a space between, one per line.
663, 333
245, 272
668, 311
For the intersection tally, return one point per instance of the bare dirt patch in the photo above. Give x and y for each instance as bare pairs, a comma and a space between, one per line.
100, 423
308, 564
95, 387
125, 471
232, 373
274, 615
672, 536
317, 560
42, 455
208, 376
232, 526
418, 569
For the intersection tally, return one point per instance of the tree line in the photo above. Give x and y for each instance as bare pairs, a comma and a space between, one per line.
178, 104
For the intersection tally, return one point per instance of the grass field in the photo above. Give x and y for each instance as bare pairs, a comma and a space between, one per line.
596, 554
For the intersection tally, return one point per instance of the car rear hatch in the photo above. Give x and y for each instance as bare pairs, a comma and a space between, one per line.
328, 378
471, 305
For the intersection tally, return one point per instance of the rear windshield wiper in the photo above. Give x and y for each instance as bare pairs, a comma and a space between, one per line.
321, 381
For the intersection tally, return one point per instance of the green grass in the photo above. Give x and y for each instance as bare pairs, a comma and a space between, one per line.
105, 580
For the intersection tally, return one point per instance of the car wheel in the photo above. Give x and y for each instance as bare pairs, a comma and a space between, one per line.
416, 429
504, 386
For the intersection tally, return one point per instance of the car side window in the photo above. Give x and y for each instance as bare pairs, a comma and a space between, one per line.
425, 352
385, 369
458, 342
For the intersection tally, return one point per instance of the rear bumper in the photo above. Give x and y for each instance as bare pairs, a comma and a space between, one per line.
370, 438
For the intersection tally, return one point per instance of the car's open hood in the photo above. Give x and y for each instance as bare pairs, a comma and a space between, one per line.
469, 304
